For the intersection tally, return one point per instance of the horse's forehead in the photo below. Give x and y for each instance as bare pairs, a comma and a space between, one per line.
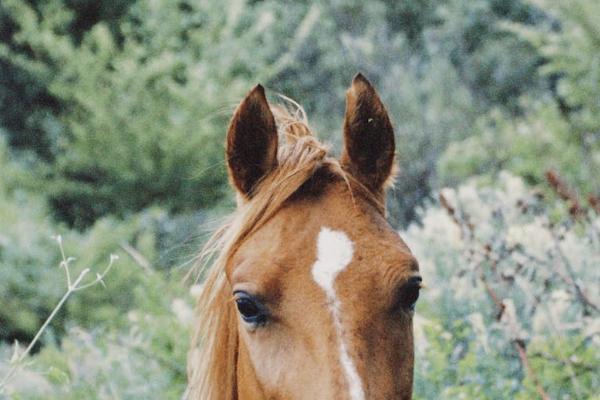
288, 245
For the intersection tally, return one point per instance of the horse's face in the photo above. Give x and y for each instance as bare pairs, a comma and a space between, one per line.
325, 290
325, 297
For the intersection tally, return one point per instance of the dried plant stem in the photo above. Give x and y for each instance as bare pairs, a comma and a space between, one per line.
72, 287
570, 278
137, 257
525, 362
517, 343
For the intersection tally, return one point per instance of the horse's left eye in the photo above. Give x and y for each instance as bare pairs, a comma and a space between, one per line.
251, 310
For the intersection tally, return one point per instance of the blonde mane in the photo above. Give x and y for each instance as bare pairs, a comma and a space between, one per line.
212, 360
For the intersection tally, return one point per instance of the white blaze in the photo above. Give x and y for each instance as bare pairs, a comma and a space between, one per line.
334, 253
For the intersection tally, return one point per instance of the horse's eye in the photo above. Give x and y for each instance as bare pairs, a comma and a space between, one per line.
409, 293
251, 310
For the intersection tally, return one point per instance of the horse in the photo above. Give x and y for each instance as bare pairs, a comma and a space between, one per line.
308, 292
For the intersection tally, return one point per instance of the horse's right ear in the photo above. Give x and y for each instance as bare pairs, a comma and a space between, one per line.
251, 142
368, 136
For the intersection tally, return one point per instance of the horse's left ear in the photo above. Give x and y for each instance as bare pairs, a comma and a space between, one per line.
368, 136
251, 142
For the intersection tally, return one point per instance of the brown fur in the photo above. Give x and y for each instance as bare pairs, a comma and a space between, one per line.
268, 247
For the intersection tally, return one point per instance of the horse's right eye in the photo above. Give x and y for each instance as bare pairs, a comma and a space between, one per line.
250, 309
409, 293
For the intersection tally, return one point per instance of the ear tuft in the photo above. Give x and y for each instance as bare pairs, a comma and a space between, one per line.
251, 142
257, 94
359, 79
368, 136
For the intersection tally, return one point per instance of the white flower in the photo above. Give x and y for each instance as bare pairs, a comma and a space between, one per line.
439, 227
514, 188
196, 290
468, 197
182, 311
533, 237
476, 320
511, 322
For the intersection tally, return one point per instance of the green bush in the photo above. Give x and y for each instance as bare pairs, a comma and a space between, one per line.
558, 132
28, 258
143, 359
31, 121
143, 113
527, 146
496, 65
572, 55
33, 282
144, 97
127, 337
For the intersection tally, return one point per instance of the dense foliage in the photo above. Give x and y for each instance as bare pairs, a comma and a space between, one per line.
112, 121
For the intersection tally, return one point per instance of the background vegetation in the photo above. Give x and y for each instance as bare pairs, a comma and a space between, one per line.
112, 119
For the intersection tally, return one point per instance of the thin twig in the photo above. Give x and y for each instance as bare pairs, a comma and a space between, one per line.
137, 257
581, 295
518, 343
525, 361
72, 287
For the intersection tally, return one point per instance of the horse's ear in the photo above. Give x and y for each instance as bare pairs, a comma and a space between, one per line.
251, 142
368, 136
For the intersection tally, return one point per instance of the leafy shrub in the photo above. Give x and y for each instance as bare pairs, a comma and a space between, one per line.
511, 305
28, 109
28, 258
143, 359
114, 104
527, 146
32, 282
555, 132
431, 109
141, 122
129, 335
496, 65
572, 54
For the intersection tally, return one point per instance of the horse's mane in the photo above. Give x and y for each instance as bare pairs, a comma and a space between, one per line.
212, 360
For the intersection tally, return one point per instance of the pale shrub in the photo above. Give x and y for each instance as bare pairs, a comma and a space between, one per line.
504, 276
